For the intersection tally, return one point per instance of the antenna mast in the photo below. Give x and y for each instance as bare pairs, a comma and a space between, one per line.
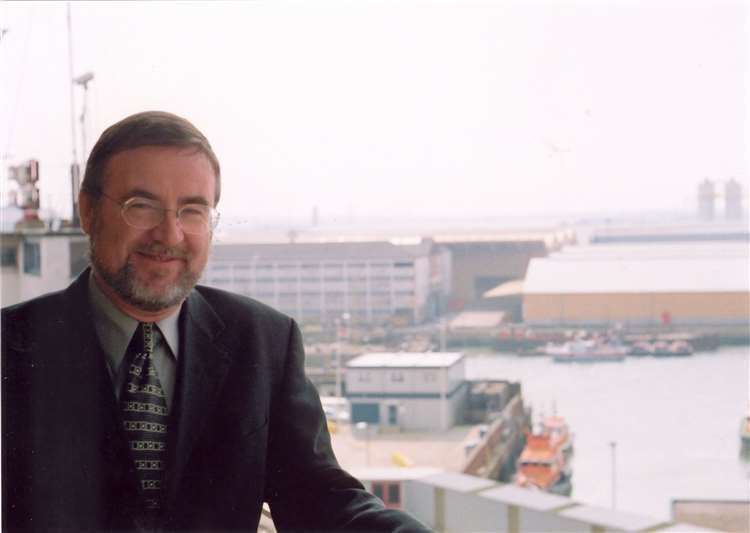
74, 168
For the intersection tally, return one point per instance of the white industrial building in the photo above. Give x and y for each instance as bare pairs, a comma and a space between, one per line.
36, 262
372, 282
407, 391
702, 283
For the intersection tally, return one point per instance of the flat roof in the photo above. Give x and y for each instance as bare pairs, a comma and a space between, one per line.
708, 229
318, 251
406, 360
531, 499
550, 236
660, 250
458, 482
393, 473
611, 518
615, 275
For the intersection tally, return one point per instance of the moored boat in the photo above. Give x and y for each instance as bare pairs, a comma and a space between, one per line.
587, 350
662, 348
673, 348
542, 466
544, 461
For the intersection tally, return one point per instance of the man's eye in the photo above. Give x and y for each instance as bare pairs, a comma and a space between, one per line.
193, 211
141, 205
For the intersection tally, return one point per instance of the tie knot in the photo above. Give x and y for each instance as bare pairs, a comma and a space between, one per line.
143, 338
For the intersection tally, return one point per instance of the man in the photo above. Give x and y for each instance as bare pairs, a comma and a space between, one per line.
135, 400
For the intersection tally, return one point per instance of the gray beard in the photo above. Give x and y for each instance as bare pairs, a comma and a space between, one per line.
125, 284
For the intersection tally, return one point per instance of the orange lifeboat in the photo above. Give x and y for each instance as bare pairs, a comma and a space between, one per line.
542, 464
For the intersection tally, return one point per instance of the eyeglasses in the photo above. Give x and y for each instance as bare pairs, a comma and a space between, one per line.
145, 213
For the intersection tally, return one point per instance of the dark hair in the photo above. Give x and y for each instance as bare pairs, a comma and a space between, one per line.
150, 128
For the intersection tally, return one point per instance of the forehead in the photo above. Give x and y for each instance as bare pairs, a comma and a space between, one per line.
164, 171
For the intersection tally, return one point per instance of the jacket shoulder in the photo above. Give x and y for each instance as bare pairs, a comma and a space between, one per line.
47, 301
24, 320
230, 306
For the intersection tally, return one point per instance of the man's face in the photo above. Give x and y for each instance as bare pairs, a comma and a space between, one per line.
150, 270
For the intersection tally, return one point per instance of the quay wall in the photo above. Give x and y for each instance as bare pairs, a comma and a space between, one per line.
499, 446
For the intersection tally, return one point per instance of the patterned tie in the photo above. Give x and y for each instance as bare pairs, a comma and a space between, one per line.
144, 417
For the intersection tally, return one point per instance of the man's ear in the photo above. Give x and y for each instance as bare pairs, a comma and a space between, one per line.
87, 210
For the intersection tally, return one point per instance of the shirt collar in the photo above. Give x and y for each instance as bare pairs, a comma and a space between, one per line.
115, 328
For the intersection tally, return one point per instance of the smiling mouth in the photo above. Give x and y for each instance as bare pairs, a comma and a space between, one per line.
160, 258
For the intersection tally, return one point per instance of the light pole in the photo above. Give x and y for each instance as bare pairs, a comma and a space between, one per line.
613, 448
338, 323
75, 173
443, 333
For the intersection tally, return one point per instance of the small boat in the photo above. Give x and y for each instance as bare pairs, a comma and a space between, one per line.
673, 348
542, 466
662, 348
642, 348
587, 350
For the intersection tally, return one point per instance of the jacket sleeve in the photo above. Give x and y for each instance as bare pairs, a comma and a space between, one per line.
307, 489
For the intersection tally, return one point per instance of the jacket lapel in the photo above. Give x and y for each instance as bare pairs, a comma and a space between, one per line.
202, 367
95, 428
87, 367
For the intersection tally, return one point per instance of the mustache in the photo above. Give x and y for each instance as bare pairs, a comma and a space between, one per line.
163, 251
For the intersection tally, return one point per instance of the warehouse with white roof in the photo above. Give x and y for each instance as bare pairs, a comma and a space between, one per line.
407, 391
639, 284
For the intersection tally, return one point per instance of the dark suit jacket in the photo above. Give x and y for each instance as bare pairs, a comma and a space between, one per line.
246, 425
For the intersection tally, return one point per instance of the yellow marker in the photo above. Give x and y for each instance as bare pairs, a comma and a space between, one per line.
399, 459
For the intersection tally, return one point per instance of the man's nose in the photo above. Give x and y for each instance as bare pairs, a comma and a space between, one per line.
169, 231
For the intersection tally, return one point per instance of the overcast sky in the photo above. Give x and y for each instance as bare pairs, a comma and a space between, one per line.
400, 108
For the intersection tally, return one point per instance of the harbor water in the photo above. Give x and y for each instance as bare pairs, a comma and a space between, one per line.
674, 421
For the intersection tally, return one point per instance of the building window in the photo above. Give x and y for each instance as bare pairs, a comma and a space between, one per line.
388, 492
397, 376
430, 377
9, 257
364, 377
392, 415
394, 494
32, 258
79, 259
